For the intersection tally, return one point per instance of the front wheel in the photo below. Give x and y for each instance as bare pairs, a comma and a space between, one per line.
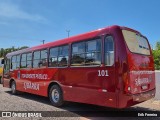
56, 96
13, 87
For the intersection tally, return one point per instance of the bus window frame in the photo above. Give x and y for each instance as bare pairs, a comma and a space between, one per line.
141, 36
21, 60
39, 59
26, 60
7, 59
68, 65
11, 66
86, 40
107, 35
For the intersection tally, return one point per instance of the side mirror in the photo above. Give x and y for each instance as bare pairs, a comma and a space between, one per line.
2, 61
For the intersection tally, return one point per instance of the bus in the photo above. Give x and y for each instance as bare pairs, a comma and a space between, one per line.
111, 67
1, 68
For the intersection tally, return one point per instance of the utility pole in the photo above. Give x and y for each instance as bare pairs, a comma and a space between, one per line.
68, 31
43, 41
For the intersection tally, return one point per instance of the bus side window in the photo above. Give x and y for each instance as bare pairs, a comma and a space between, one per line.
18, 61
36, 59
6, 65
23, 61
86, 53
53, 62
93, 52
109, 51
43, 61
13, 62
63, 56
78, 54
29, 60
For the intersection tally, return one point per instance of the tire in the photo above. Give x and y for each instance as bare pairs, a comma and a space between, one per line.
13, 88
56, 96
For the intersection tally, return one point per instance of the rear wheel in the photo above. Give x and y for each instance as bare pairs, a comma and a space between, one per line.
13, 87
56, 96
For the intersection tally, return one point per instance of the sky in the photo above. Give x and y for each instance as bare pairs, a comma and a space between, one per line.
28, 22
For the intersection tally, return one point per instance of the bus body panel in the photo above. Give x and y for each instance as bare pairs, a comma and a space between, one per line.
100, 85
84, 85
77, 84
139, 75
142, 75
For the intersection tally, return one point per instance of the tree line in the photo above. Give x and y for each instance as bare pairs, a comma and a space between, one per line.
156, 55
3, 51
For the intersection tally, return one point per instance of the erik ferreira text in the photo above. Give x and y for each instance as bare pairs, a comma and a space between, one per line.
147, 115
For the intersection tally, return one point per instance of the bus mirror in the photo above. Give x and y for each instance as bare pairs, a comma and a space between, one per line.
2, 61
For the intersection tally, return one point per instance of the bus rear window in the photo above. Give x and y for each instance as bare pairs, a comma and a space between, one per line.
136, 43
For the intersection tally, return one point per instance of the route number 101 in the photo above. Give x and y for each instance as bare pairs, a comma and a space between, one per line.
102, 72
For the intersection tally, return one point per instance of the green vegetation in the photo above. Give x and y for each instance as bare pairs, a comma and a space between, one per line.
156, 54
3, 51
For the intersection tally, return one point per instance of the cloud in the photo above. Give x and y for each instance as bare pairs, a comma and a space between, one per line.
11, 10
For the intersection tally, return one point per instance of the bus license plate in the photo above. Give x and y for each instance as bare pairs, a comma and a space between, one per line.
144, 87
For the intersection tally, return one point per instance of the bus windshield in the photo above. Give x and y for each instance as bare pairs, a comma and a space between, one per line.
136, 43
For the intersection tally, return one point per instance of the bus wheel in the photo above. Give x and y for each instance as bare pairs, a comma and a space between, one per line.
13, 87
56, 96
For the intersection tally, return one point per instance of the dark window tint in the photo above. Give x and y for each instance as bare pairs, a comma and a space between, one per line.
109, 51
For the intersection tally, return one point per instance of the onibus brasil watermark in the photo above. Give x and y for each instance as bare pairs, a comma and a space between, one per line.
22, 114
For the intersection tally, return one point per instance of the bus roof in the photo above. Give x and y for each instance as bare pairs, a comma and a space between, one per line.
64, 41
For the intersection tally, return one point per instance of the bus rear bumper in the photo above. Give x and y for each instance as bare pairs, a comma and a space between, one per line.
144, 96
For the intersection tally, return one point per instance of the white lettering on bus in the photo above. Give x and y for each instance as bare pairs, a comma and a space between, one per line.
141, 72
29, 85
35, 76
102, 72
140, 81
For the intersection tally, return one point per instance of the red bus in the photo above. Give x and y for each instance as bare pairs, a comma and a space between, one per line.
111, 67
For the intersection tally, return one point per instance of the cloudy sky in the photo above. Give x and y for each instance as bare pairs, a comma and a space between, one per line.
28, 22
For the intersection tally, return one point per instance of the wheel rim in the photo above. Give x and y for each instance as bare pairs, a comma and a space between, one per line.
13, 87
55, 95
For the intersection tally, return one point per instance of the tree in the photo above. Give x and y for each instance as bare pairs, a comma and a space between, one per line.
3, 51
158, 45
156, 55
